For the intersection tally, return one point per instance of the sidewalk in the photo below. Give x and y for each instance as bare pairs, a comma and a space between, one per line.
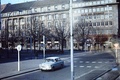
11, 68
112, 74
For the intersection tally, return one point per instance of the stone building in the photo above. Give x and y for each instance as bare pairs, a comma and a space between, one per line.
17, 19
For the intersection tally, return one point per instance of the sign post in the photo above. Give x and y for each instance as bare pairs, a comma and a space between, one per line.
19, 49
116, 52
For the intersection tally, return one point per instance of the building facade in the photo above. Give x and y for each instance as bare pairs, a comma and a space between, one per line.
18, 19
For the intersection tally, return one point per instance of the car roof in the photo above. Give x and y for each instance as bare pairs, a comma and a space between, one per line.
52, 57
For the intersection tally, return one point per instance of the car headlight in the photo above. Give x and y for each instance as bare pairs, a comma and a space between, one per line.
49, 66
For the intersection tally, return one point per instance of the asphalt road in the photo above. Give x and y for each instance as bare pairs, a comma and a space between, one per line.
86, 67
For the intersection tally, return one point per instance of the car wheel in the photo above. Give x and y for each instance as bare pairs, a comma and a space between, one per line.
53, 68
62, 65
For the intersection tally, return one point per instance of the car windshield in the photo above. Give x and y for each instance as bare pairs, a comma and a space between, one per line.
49, 60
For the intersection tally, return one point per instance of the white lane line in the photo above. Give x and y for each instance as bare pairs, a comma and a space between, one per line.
87, 62
99, 62
89, 66
78, 77
84, 74
93, 62
81, 61
81, 66
96, 67
75, 61
75, 66
106, 62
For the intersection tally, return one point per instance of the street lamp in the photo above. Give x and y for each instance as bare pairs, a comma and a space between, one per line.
71, 40
43, 41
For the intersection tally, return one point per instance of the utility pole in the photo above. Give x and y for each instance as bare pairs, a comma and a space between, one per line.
71, 40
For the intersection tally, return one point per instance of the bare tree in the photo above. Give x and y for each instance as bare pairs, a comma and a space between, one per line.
38, 30
61, 32
82, 32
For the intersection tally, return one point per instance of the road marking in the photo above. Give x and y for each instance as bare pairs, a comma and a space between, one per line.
75, 66
96, 67
89, 66
78, 77
87, 62
99, 62
81, 66
84, 74
75, 61
106, 62
93, 62
81, 61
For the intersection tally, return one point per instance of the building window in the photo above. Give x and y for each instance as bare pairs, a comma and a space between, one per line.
87, 4
98, 9
94, 24
110, 1
106, 1
75, 11
94, 9
110, 22
64, 16
106, 23
49, 24
56, 23
48, 8
94, 3
110, 8
83, 4
55, 7
102, 16
102, 9
82, 11
90, 3
43, 17
15, 20
90, 17
63, 6
95, 16
56, 16
110, 15
22, 20
102, 23
86, 10
90, 10
102, 2
98, 23
98, 2
106, 16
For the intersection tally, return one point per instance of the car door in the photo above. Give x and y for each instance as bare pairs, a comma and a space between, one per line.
57, 63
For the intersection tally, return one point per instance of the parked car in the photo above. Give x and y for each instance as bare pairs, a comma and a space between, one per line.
51, 63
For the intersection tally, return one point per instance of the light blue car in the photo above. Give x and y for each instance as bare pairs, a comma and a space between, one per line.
51, 63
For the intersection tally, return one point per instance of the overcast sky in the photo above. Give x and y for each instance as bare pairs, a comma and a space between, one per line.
13, 1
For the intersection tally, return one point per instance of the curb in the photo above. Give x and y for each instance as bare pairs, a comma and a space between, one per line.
19, 73
103, 73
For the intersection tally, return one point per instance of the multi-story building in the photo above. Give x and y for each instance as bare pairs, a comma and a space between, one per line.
103, 15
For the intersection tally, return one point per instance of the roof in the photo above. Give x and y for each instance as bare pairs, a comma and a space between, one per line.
38, 3
52, 57
3, 6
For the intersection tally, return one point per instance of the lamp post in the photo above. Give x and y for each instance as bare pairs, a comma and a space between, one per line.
108, 18
43, 41
71, 40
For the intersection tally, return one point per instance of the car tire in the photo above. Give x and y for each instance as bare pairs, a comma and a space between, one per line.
53, 68
62, 65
